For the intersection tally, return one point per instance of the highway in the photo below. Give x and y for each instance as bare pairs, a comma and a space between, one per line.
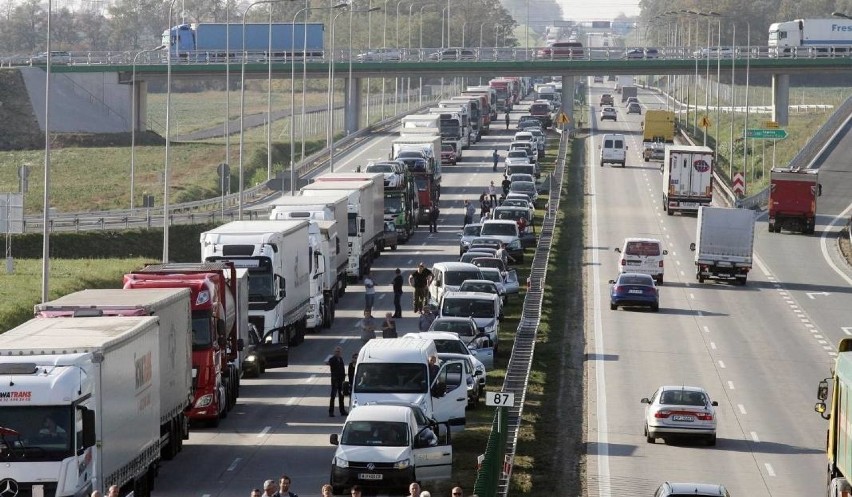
281, 423
759, 350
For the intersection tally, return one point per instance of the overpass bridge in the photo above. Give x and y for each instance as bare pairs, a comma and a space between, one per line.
456, 62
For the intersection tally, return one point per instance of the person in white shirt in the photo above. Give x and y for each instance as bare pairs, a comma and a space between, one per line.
369, 291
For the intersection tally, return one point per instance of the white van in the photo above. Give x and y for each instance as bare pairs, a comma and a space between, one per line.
613, 149
642, 255
386, 447
396, 369
447, 276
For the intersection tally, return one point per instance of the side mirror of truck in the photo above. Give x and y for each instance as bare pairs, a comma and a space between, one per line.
333, 440
88, 427
282, 287
363, 227
822, 390
692, 247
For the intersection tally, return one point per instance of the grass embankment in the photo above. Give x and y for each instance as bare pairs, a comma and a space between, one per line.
542, 450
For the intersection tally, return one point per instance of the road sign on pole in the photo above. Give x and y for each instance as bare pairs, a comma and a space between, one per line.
738, 184
766, 134
704, 122
500, 399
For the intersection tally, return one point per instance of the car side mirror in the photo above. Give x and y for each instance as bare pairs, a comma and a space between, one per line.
645, 400
692, 247
714, 403
617, 249
611, 282
665, 252
333, 440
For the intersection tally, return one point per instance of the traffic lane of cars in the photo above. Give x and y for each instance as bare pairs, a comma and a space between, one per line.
676, 303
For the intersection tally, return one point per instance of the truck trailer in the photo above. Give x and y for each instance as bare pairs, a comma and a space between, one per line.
218, 300
81, 405
171, 305
218, 40
277, 257
838, 438
687, 178
811, 37
724, 245
793, 199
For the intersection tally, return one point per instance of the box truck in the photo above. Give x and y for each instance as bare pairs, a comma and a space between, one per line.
687, 178
724, 244
793, 199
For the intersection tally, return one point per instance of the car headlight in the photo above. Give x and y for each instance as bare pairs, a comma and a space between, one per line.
251, 358
465, 243
515, 244
402, 464
204, 401
341, 462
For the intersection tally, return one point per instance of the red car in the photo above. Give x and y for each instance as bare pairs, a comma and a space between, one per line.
448, 155
561, 50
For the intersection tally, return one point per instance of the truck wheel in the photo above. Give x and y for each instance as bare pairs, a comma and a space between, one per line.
771, 227
699, 277
669, 212
741, 280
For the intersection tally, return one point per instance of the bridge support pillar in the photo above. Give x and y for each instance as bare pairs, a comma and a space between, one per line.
568, 99
140, 100
781, 99
352, 109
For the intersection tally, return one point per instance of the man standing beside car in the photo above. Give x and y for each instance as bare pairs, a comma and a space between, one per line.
420, 280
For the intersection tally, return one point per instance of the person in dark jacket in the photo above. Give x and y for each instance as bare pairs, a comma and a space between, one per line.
338, 374
397, 293
507, 120
433, 218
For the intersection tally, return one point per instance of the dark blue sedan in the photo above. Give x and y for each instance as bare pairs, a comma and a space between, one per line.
634, 290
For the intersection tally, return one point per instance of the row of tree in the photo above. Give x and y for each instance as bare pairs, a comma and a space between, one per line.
131, 25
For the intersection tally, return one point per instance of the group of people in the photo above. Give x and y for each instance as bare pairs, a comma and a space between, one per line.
282, 489
270, 489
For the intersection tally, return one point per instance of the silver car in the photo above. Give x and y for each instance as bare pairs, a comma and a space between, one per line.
467, 234
680, 411
671, 489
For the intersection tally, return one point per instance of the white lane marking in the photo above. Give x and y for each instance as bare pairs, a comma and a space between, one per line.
700, 314
721, 364
822, 342
754, 437
381, 296
742, 409
713, 345
263, 432
826, 347
706, 329
769, 470
342, 340
234, 464
291, 401
673, 253
312, 378
731, 385
600, 373
677, 262
817, 336
692, 296
842, 217
411, 261
847, 329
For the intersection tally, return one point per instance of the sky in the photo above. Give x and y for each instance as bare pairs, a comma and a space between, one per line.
598, 9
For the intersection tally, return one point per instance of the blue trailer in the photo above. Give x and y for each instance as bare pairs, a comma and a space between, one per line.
210, 40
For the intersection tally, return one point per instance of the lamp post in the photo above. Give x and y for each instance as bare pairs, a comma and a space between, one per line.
420, 51
330, 123
464, 28
133, 126
351, 12
45, 229
745, 123
496, 34
448, 24
396, 79
176, 42
243, 103
293, 92
384, 46
481, 25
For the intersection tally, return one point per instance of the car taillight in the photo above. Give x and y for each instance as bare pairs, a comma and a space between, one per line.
616, 289
662, 414
623, 262
705, 416
661, 263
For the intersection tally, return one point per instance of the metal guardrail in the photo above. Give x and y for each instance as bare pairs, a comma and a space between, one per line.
520, 362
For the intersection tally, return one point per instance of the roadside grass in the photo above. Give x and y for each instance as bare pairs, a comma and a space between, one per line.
537, 460
20, 291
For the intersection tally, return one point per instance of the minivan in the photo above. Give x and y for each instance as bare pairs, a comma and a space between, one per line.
447, 276
613, 149
642, 255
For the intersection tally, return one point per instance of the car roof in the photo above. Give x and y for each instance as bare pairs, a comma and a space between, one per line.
450, 266
457, 319
696, 488
682, 387
471, 295
502, 221
374, 412
433, 335
480, 281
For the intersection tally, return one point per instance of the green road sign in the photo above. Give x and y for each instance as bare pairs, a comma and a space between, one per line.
766, 134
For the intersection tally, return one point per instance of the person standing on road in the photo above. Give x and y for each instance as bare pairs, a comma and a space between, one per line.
469, 211
338, 374
113, 491
368, 327
496, 158
507, 120
503, 254
434, 212
457, 492
269, 488
327, 490
389, 327
369, 291
492, 194
427, 317
350, 370
414, 489
420, 280
397, 293
284, 486
506, 184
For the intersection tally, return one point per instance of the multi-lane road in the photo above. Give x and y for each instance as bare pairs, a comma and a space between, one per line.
759, 350
281, 423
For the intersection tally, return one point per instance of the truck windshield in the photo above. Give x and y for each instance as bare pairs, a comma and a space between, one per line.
36, 433
375, 433
393, 204
391, 378
450, 128
202, 335
353, 224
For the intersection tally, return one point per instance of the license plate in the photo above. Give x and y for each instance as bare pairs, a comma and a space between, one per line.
687, 419
634, 263
639, 292
369, 476
689, 204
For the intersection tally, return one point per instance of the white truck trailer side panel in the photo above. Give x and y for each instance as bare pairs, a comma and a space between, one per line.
725, 234
171, 305
421, 121
123, 385
687, 177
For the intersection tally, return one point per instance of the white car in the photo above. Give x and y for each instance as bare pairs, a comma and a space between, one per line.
394, 172
609, 113
484, 308
680, 411
519, 156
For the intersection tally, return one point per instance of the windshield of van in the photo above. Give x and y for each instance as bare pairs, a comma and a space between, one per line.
446, 346
464, 307
375, 433
456, 278
391, 377
647, 249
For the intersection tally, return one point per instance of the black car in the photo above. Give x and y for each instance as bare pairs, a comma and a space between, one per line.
261, 354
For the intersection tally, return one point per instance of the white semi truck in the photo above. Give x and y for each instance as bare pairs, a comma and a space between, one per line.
724, 244
453, 129
421, 121
171, 305
80, 404
276, 254
366, 208
810, 37
687, 178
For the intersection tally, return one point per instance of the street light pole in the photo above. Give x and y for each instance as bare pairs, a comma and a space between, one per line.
384, 46
133, 102
168, 131
330, 123
351, 81
45, 229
